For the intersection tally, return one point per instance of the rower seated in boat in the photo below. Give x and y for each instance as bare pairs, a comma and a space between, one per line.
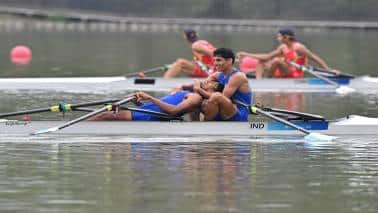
176, 104
276, 64
221, 106
202, 64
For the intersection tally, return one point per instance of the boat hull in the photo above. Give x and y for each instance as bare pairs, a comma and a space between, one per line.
187, 129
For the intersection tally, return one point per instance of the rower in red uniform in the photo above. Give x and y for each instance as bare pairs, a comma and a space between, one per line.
276, 63
203, 61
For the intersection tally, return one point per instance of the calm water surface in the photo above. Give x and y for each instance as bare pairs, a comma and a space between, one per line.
181, 174
80, 50
289, 176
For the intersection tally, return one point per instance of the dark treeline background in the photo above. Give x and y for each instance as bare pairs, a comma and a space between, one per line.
345, 10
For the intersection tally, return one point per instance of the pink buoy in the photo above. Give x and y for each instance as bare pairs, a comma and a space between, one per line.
248, 64
21, 55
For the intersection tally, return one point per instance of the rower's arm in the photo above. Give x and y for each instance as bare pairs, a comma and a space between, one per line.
262, 56
187, 87
189, 103
233, 85
198, 89
314, 57
318, 60
202, 50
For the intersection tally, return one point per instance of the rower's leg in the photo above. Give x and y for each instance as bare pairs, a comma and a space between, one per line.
194, 116
180, 66
278, 63
218, 103
260, 67
264, 69
123, 115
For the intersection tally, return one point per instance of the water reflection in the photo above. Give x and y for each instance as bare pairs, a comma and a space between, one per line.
219, 177
295, 101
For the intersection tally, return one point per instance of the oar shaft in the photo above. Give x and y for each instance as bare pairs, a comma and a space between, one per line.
159, 114
24, 112
255, 109
343, 74
56, 108
309, 70
95, 103
91, 114
259, 111
152, 70
295, 113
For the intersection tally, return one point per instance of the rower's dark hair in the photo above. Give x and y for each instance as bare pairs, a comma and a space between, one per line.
225, 53
191, 35
287, 32
219, 87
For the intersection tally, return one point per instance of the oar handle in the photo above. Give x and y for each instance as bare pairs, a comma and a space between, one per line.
152, 70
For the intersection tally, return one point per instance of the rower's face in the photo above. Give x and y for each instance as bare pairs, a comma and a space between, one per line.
222, 63
279, 37
186, 38
283, 38
209, 85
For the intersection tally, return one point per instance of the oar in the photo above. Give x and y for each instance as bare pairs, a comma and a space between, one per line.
343, 74
84, 117
62, 107
310, 136
157, 114
339, 89
152, 70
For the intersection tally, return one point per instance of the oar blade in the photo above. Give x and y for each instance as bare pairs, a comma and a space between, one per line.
44, 131
314, 137
344, 90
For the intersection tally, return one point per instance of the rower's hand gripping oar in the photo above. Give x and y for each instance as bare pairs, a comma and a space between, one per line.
310, 136
143, 73
85, 117
339, 89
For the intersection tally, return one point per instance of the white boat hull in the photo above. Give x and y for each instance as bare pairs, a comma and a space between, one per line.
352, 126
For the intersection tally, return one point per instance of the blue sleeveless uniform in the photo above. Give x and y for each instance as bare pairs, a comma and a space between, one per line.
244, 97
173, 99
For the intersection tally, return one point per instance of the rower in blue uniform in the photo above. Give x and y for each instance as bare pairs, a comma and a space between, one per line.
175, 104
221, 106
